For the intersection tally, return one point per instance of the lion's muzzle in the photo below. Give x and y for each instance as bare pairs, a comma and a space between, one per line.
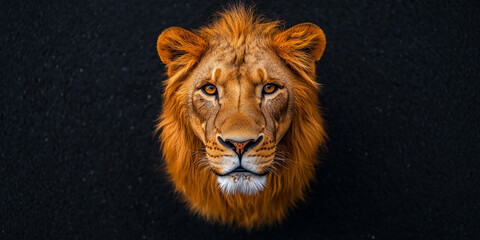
242, 156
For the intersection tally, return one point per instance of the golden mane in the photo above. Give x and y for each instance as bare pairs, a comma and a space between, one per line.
239, 25
180, 145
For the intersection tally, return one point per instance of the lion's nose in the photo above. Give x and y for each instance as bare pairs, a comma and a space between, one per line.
240, 147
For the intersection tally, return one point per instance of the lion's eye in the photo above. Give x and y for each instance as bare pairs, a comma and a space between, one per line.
210, 89
269, 88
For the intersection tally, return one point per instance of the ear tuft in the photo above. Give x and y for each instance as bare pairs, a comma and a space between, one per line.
178, 47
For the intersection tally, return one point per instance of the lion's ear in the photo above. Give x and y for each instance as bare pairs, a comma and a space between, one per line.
178, 47
300, 46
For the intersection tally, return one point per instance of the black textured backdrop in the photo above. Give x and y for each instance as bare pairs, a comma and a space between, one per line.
81, 86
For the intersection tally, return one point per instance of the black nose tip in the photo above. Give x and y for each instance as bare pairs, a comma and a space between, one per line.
240, 147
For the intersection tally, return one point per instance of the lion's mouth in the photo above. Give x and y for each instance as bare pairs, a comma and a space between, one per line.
240, 169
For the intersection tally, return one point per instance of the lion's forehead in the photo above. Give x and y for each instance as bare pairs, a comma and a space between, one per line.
241, 62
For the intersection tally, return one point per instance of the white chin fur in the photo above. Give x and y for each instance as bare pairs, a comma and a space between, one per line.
246, 183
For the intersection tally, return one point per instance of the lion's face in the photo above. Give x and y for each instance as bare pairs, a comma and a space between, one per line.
240, 109
241, 123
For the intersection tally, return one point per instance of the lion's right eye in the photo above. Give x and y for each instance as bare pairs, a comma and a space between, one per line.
269, 88
209, 89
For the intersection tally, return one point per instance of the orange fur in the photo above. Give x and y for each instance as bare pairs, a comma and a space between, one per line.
299, 47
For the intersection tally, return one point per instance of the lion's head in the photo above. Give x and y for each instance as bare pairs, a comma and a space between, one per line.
241, 124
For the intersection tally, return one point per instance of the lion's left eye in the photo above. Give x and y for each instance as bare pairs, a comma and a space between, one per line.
210, 89
269, 88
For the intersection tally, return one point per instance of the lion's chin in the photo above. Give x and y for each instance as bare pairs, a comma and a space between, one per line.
241, 182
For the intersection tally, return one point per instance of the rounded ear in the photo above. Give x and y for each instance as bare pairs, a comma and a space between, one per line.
304, 38
179, 47
300, 46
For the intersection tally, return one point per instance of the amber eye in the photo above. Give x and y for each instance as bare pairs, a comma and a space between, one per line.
269, 88
210, 89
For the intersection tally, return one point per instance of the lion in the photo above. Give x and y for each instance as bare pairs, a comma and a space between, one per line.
241, 126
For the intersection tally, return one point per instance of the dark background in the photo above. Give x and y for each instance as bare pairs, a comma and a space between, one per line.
81, 88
